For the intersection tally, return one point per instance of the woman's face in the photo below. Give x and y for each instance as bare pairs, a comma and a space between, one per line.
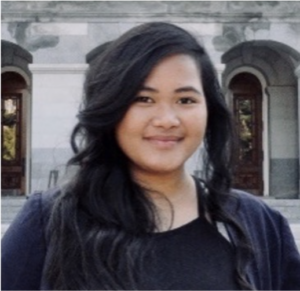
167, 120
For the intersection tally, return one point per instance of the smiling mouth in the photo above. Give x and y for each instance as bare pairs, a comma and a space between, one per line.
164, 141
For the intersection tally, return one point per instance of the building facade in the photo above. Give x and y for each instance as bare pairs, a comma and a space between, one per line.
47, 47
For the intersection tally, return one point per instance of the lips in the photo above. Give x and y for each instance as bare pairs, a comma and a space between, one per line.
164, 141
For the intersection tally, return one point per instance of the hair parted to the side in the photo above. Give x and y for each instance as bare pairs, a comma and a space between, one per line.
98, 225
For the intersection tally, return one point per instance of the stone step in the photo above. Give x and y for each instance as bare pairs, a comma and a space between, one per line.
295, 227
289, 208
282, 202
10, 206
4, 227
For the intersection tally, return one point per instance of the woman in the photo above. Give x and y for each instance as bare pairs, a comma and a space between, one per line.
132, 217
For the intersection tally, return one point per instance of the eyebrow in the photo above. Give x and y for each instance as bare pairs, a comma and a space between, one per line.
187, 89
179, 90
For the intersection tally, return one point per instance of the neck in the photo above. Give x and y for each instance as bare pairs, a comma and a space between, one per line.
171, 185
174, 195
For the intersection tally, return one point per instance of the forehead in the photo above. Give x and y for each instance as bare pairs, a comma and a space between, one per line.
180, 68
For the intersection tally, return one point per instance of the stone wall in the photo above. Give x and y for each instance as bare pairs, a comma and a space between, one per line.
57, 91
60, 34
52, 29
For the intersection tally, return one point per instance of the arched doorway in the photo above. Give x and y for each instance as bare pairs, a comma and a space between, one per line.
273, 64
15, 122
246, 92
13, 133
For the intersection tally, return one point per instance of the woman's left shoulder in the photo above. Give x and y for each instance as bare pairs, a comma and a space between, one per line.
275, 250
252, 207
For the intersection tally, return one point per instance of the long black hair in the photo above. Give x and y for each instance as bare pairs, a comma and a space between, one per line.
97, 229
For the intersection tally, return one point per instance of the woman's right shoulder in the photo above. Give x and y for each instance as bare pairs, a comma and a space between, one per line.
42, 201
24, 243
47, 198
35, 211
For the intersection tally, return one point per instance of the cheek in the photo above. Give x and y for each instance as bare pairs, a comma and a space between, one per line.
131, 126
196, 124
122, 135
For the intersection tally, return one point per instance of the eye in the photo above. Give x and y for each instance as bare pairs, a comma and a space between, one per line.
186, 100
143, 99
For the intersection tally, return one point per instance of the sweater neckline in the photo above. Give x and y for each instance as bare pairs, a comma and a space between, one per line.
180, 229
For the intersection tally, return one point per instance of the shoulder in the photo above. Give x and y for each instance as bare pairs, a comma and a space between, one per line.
268, 231
44, 200
24, 243
266, 227
260, 221
34, 213
252, 208
247, 199
46, 197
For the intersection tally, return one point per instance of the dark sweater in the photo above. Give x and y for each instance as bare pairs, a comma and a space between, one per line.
276, 265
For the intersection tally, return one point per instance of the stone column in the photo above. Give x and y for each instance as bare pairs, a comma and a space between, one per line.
297, 73
283, 138
220, 69
57, 91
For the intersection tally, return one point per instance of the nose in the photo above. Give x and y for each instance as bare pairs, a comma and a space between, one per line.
166, 117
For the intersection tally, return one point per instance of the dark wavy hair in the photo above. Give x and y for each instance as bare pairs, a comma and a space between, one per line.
98, 224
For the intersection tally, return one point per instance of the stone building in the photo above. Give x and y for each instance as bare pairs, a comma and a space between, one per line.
47, 45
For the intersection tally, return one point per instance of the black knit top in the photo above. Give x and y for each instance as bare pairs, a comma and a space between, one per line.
192, 257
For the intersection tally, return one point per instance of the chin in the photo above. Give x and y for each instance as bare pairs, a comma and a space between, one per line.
163, 168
